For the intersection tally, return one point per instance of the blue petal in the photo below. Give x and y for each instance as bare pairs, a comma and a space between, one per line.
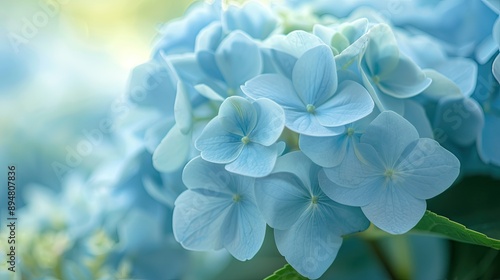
270, 122
462, 71
324, 151
360, 170
406, 80
282, 198
284, 62
496, 68
208, 92
238, 116
198, 220
295, 43
255, 160
244, 229
488, 143
390, 134
253, 18
218, 145
459, 120
349, 196
305, 123
201, 174
441, 86
314, 75
288, 163
207, 62
238, 59
382, 53
173, 150
394, 210
427, 169
209, 38
275, 87
308, 246
350, 103
415, 114
182, 109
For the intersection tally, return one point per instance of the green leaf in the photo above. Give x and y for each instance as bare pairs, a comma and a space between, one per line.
433, 223
286, 273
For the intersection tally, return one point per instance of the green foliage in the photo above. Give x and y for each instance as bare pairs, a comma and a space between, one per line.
440, 225
286, 273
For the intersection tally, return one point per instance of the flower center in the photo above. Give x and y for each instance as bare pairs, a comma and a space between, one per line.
231, 92
236, 198
389, 173
311, 109
350, 131
314, 200
245, 140
376, 79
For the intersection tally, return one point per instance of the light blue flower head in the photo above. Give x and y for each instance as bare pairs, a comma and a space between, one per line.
396, 172
308, 225
313, 102
243, 136
218, 211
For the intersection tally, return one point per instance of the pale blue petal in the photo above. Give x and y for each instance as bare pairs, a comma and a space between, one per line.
488, 143
209, 37
426, 169
198, 220
462, 71
459, 120
415, 114
324, 151
182, 109
173, 150
406, 80
238, 59
295, 43
493, 4
352, 53
282, 198
275, 87
389, 134
350, 103
314, 75
255, 160
237, 115
284, 62
441, 86
188, 68
305, 123
244, 229
394, 210
359, 170
208, 92
496, 68
201, 174
308, 246
288, 163
270, 122
207, 62
349, 196
383, 101
382, 53
253, 18
218, 145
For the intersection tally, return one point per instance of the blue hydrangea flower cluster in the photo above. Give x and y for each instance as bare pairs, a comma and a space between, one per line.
317, 133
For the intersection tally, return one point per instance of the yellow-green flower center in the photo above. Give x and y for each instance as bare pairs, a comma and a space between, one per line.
236, 198
245, 140
350, 131
311, 109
